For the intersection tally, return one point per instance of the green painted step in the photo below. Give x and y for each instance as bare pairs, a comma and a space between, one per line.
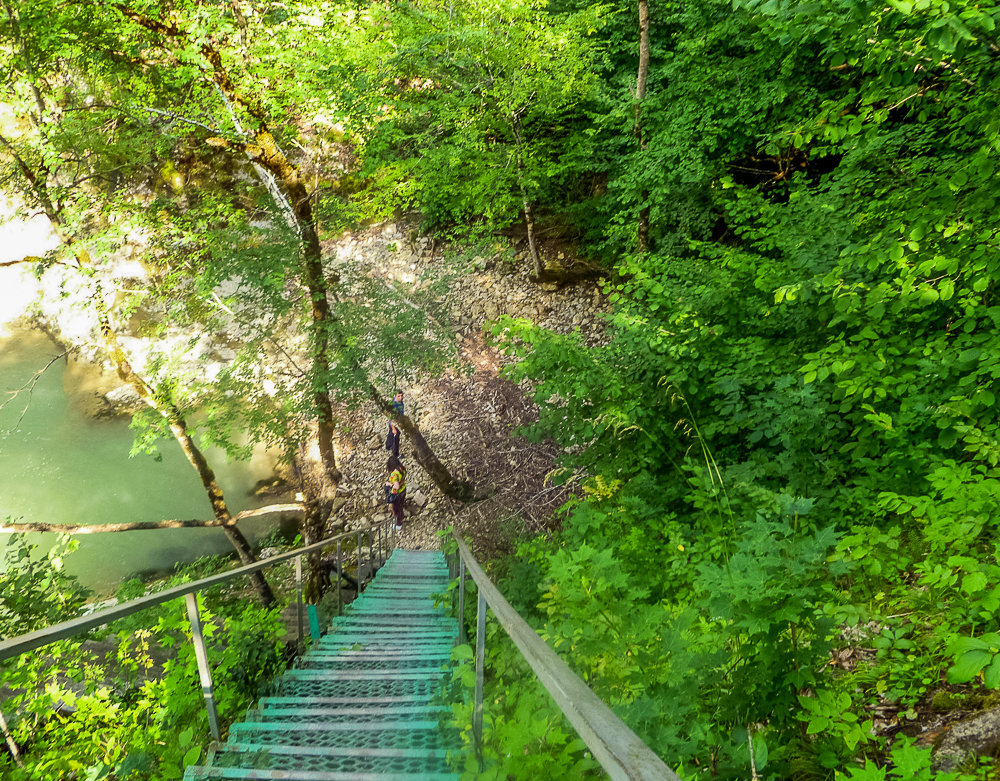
365, 701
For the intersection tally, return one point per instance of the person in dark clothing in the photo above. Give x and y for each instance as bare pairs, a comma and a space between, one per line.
396, 488
397, 403
392, 439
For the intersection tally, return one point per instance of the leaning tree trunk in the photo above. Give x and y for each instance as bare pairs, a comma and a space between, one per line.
178, 425
449, 486
319, 494
262, 149
640, 95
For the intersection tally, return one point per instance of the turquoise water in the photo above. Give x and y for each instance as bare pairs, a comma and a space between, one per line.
59, 466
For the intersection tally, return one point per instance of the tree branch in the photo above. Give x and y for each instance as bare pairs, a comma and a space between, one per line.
26, 259
30, 387
179, 118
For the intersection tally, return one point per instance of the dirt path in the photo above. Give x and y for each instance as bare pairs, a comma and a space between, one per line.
470, 413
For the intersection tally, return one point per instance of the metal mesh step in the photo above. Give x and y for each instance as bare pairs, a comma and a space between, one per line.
363, 760
306, 712
338, 715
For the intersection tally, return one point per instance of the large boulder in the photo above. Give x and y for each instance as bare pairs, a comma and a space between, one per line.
975, 736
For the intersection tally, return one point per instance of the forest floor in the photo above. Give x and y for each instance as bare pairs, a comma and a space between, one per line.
470, 414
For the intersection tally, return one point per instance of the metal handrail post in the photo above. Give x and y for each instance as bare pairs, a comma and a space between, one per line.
298, 589
204, 671
340, 564
358, 556
461, 600
477, 715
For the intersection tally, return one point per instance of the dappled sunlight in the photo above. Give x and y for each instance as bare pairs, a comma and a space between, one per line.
21, 236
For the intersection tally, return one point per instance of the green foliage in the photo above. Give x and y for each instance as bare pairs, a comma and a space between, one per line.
907, 761
787, 446
831, 714
974, 656
523, 731
137, 712
814, 319
466, 109
37, 589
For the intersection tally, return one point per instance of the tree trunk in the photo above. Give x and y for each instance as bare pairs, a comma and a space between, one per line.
461, 491
15, 750
529, 223
317, 580
265, 152
178, 426
640, 95
529, 216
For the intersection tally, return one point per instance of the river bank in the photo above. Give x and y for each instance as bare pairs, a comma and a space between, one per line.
469, 413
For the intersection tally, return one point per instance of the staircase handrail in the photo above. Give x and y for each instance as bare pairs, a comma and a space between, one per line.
621, 752
30, 641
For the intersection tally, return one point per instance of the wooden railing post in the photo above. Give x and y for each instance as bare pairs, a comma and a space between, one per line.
204, 671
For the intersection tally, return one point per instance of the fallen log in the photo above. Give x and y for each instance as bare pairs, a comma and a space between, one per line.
101, 528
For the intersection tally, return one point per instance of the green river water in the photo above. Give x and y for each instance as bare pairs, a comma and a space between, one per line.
58, 465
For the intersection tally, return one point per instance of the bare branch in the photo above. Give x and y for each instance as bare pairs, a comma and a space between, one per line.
291, 507
26, 259
100, 528
179, 118
30, 387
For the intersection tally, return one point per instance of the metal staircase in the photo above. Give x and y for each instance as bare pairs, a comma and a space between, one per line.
363, 702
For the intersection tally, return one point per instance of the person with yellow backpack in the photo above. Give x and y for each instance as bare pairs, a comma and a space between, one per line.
395, 489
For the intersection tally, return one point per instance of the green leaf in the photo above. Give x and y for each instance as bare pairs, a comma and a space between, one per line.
968, 666
817, 724
973, 582
759, 750
991, 677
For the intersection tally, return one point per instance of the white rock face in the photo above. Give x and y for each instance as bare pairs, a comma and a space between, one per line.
21, 235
